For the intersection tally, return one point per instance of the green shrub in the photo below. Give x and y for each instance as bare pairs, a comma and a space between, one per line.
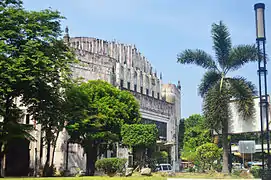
256, 171
236, 172
111, 166
190, 169
207, 154
218, 167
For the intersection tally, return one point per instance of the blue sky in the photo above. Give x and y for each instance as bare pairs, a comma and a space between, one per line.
162, 28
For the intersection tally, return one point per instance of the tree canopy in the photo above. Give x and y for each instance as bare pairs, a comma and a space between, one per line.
34, 62
217, 87
195, 135
97, 112
139, 135
141, 138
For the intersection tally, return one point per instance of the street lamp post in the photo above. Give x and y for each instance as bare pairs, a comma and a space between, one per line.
262, 72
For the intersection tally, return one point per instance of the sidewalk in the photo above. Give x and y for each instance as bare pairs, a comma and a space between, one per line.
205, 179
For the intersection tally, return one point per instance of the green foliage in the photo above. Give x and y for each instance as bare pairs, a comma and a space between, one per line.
207, 154
34, 65
97, 111
194, 120
34, 62
15, 129
217, 167
235, 138
110, 166
160, 156
256, 171
196, 134
139, 135
164, 154
217, 88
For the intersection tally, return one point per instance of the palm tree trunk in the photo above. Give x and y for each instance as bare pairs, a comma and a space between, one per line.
225, 145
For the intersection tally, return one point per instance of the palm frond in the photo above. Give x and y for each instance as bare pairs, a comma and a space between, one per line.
197, 57
222, 43
243, 92
209, 79
216, 108
241, 55
13, 130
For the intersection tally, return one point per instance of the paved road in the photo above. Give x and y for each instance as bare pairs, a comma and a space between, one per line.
204, 179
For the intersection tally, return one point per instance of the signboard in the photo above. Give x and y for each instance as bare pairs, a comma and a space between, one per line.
247, 147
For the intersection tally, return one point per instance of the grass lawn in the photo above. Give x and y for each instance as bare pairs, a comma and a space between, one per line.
96, 178
135, 177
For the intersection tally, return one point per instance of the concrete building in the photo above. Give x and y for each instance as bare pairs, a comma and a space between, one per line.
125, 67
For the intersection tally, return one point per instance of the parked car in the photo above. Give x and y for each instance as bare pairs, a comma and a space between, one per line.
163, 168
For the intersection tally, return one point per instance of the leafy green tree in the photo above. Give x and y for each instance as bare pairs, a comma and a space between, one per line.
195, 120
52, 115
195, 135
33, 62
207, 154
140, 137
97, 111
160, 156
217, 88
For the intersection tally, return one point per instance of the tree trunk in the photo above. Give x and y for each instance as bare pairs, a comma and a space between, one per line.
46, 169
91, 159
2, 168
54, 149
7, 114
1, 158
225, 145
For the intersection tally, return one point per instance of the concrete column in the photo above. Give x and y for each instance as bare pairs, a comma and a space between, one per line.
97, 46
88, 46
111, 49
120, 53
92, 46
102, 47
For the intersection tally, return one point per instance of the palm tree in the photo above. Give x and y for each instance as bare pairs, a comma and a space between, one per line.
216, 88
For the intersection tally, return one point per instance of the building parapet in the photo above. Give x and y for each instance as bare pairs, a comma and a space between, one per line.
152, 104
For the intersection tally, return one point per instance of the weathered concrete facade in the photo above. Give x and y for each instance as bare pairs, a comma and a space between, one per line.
126, 68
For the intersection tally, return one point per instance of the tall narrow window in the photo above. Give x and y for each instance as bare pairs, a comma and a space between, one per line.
27, 119
121, 83
147, 91
152, 93
128, 85
141, 90
158, 95
135, 88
